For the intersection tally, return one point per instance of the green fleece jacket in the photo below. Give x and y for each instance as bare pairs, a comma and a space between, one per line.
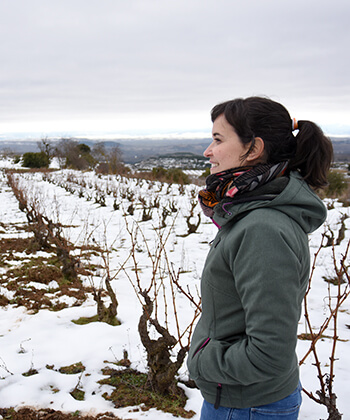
253, 283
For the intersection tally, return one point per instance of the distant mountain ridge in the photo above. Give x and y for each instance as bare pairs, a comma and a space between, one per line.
133, 150
137, 150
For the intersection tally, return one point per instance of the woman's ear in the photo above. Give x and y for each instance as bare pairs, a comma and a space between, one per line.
256, 153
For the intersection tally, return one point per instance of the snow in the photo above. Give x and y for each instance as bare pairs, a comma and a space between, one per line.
48, 340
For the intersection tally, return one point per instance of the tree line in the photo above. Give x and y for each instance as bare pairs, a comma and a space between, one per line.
74, 155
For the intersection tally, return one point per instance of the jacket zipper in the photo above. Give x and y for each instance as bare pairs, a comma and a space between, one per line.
218, 396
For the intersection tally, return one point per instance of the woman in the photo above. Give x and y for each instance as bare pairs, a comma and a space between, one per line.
260, 195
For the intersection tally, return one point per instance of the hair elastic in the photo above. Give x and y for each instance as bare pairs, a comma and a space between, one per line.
294, 124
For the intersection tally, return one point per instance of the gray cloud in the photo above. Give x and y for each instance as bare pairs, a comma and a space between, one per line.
89, 59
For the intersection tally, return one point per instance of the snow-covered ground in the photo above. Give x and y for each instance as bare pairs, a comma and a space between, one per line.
47, 340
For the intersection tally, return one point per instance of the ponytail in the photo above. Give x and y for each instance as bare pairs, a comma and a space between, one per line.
314, 154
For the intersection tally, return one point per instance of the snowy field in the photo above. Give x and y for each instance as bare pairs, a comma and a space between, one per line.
94, 210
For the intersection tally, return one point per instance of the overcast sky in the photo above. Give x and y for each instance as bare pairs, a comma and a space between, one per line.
160, 65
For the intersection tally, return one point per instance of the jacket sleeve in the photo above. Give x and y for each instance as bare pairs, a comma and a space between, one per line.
269, 258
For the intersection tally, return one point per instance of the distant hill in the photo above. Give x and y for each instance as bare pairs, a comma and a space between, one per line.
138, 150
133, 150
341, 147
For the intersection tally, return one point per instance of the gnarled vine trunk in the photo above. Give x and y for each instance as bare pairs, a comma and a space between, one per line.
162, 370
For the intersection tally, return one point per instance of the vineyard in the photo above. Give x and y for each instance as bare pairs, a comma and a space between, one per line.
100, 291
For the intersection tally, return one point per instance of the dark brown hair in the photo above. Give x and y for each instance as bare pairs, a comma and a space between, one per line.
309, 151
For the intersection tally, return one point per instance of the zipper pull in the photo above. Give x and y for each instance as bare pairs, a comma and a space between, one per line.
218, 396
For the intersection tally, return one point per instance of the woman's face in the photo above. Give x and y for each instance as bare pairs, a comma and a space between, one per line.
226, 150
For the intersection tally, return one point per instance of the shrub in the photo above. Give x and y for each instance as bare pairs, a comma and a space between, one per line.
177, 176
35, 160
337, 184
206, 172
159, 172
172, 175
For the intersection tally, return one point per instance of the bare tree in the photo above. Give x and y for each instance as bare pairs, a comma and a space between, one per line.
71, 154
45, 146
110, 159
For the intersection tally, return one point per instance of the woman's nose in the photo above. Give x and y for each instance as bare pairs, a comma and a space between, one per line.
207, 151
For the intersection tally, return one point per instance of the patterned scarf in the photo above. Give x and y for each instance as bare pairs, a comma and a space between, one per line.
233, 182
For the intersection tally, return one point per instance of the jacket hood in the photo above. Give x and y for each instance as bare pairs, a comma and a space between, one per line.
291, 196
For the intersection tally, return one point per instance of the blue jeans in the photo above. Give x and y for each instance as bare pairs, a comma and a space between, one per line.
286, 409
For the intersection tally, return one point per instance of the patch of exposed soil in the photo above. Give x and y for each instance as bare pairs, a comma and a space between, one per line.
131, 389
17, 245
25, 280
48, 414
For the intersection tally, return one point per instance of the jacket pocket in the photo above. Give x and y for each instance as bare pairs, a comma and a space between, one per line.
192, 362
201, 347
